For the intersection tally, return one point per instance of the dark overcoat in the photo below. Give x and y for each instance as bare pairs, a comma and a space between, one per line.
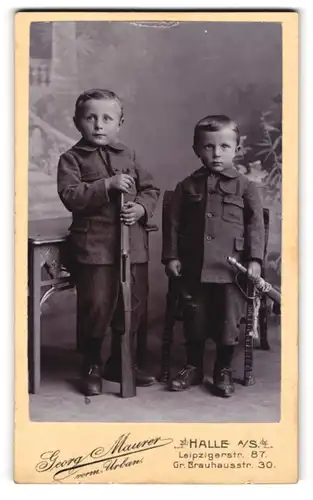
83, 172
211, 217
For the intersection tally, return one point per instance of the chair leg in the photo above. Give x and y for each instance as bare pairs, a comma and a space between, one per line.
169, 324
34, 337
166, 346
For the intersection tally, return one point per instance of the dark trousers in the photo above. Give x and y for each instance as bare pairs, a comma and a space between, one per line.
100, 304
212, 311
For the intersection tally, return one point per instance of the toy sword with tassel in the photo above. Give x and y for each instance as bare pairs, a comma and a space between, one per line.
260, 284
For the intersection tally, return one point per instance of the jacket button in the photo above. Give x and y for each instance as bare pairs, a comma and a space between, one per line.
209, 238
209, 214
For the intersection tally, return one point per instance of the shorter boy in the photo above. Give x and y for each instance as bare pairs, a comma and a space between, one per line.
215, 213
91, 177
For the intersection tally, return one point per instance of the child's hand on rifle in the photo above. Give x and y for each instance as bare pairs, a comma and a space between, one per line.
254, 269
120, 182
173, 268
131, 212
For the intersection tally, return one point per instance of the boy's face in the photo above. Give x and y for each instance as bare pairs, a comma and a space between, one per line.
216, 149
99, 121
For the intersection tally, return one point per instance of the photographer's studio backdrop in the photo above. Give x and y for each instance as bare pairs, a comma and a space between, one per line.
169, 76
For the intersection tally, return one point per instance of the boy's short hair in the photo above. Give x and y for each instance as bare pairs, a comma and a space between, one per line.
96, 94
213, 123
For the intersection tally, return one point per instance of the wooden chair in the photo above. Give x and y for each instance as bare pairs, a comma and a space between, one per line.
173, 312
142, 332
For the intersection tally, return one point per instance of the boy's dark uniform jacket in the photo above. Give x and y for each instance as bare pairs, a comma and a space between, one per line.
82, 186
213, 216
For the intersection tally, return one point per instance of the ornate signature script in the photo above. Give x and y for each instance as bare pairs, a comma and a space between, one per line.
122, 453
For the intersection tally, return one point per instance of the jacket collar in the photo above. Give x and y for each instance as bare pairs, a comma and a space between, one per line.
87, 146
230, 173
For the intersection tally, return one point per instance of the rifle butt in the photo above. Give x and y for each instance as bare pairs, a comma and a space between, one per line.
128, 384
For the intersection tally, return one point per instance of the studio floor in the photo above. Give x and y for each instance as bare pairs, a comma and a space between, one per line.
59, 399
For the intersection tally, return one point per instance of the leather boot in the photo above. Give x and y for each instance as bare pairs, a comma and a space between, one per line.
223, 382
192, 373
185, 378
143, 378
91, 371
91, 380
112, 369
222, 374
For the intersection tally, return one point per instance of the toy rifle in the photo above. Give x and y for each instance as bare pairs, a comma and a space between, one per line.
128, 385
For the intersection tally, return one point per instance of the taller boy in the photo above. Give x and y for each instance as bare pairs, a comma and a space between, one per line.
91, 176
215, 213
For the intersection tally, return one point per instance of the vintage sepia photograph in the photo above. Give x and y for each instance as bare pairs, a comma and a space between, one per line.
156, 247
155, 221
